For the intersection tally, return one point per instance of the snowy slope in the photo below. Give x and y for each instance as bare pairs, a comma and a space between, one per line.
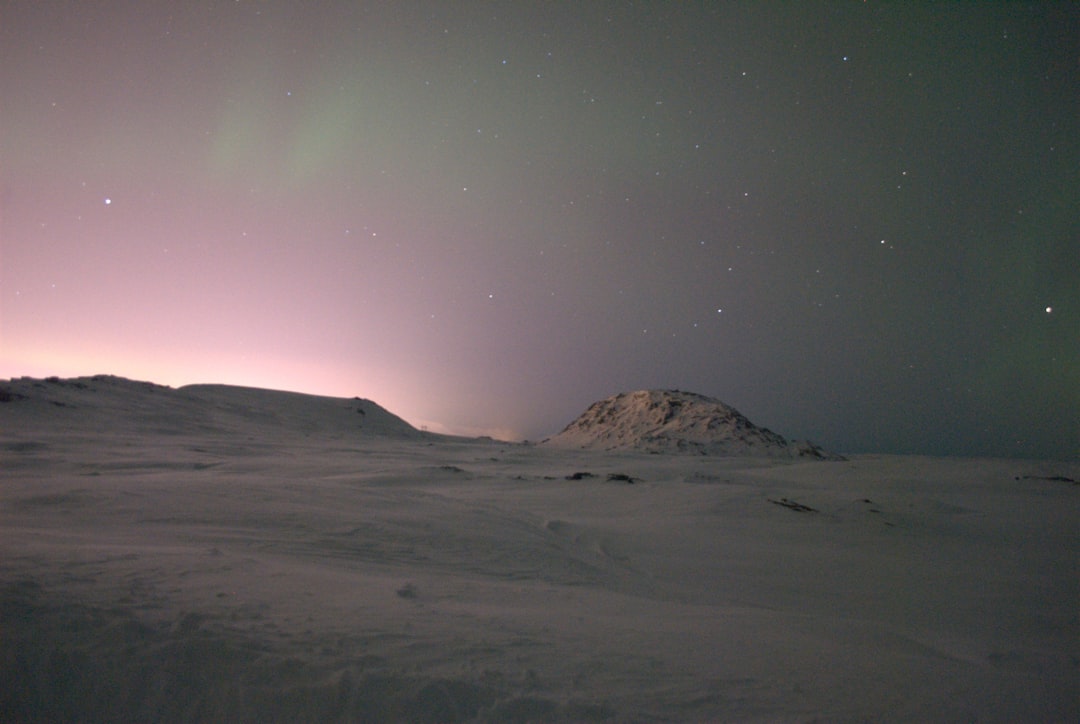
666, 421
226, 554
114, 403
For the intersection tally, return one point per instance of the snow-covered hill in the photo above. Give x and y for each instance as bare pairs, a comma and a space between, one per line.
666, 421
118, 404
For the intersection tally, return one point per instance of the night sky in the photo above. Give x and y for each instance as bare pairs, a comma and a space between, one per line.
856, 223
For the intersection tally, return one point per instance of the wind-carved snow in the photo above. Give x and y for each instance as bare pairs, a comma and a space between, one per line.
672, 421
227, 554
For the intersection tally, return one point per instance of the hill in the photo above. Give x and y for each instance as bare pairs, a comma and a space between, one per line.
116, 404
672, 421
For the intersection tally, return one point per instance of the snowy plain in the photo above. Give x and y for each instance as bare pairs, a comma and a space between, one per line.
225, 554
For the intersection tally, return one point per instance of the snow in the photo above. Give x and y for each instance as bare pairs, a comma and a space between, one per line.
229, 554
673, 421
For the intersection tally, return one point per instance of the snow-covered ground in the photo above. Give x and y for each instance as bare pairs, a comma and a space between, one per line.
223, 554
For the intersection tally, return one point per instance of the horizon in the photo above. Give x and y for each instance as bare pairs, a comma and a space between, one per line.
854, 223
487, 431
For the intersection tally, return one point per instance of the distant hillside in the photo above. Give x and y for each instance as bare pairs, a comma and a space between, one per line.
116, 404
671, 421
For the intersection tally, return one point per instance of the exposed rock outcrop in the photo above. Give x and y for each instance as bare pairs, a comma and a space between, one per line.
672, 421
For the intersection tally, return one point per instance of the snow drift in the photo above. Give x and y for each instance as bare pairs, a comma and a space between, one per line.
672, 421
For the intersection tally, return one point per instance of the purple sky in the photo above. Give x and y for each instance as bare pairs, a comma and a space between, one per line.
855, 223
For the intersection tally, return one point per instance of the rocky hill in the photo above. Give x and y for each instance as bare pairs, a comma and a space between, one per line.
672, 421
